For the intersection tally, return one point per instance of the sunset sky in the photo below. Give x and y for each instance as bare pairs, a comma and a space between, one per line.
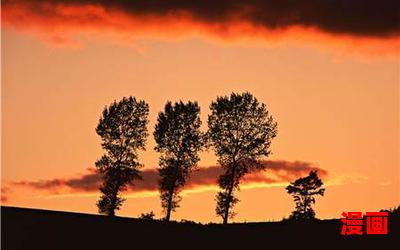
327, 70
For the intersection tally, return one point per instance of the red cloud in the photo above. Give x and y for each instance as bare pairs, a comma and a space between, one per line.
353, 26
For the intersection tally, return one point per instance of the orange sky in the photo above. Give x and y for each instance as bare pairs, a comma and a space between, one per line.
336, 104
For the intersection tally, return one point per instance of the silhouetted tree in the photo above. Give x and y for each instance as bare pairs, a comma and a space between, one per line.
123, 132
303, 191
179, 140
240, 130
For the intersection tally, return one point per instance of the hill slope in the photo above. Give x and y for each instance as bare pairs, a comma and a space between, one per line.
42, 229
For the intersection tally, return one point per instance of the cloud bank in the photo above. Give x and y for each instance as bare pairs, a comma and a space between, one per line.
373, 24
356, 17
277, 172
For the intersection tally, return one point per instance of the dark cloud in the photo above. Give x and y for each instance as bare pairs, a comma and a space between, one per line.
288, 171
354, 17
85, 182
277, 171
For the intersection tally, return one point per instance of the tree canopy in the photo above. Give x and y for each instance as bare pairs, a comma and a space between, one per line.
179, 140
240, 129
123, 131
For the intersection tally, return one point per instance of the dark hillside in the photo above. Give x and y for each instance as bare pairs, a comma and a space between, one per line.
42, 229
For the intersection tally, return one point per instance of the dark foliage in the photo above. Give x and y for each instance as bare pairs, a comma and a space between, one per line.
393, 212
240, 130
123, 132
303, 191
179, 140
147, 216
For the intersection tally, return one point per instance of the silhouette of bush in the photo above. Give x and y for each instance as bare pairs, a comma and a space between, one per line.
303, 191
147, 216
393, 212
184, 221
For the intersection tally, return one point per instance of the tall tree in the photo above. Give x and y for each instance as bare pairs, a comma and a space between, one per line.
179, 140
240, 130
303, 191
123, 132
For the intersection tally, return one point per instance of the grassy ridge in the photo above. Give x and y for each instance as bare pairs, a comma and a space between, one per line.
43, 229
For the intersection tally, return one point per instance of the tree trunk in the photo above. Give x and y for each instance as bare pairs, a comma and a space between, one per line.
111, 212
170, 197
230, 190
169, 208
228, 205
113, 204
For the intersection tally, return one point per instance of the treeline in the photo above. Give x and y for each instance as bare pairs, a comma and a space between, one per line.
240, 131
